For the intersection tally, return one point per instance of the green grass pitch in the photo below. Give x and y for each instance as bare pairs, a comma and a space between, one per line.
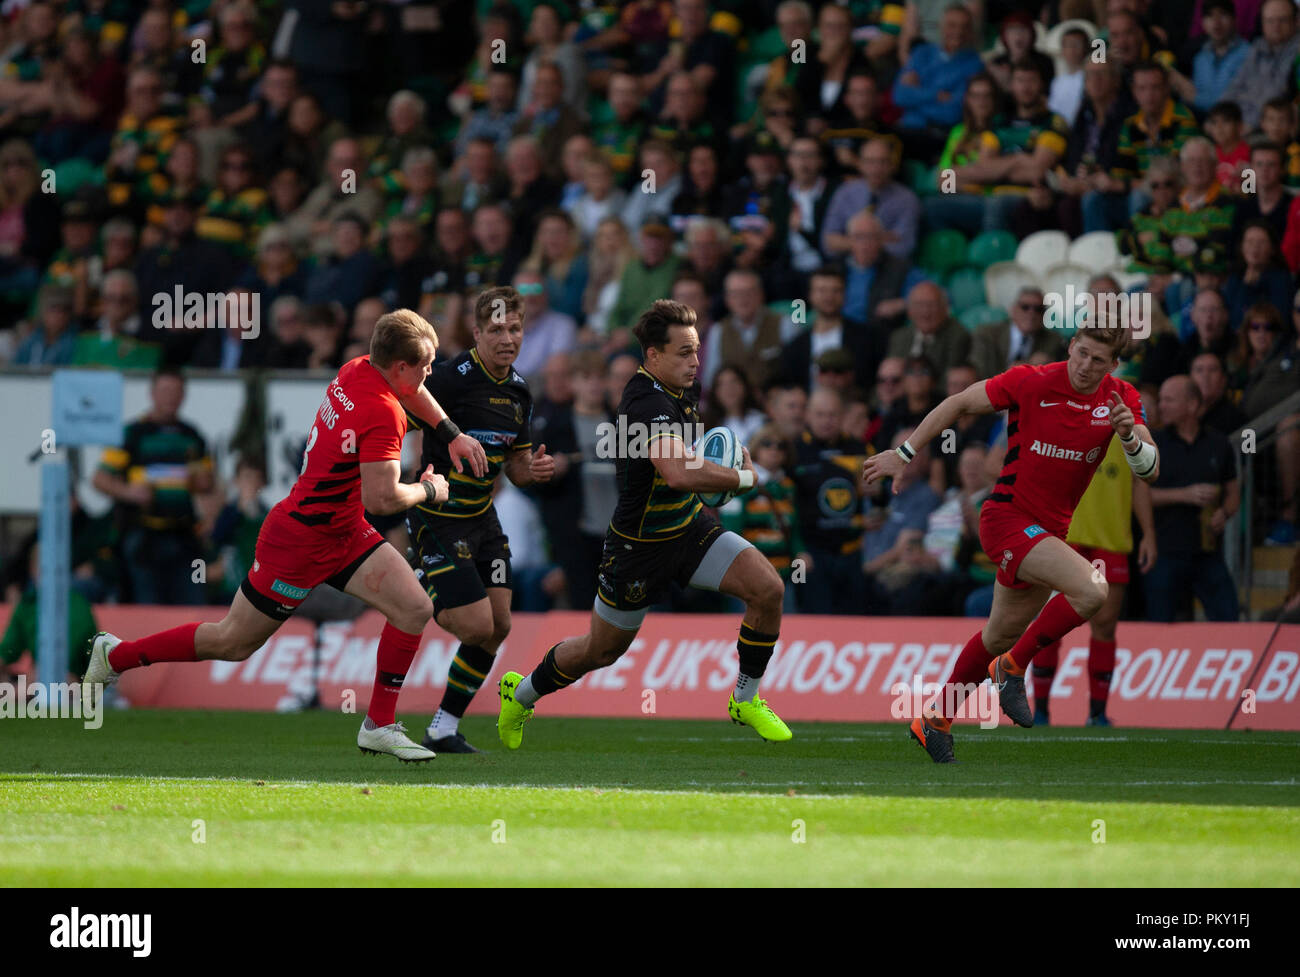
213, 799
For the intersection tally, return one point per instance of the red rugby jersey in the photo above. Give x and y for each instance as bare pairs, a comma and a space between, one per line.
1056, 438
360, 420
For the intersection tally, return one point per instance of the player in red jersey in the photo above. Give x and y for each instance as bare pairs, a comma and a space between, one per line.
319, 534
1060, 419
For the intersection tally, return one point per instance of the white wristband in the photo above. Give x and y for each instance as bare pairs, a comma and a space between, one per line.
746, 480
906, 451
1142, 461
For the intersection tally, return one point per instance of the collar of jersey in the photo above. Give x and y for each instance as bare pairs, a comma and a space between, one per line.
676, 394
474, 355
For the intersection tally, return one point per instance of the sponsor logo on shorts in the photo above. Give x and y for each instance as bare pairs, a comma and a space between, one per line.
462, 549
1006, 558
635, 591
289, 590
1048, 450
1034, 530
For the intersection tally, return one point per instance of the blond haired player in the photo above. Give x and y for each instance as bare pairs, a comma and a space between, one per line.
318, 533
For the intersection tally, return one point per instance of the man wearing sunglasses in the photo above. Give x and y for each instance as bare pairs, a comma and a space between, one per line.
1000, 345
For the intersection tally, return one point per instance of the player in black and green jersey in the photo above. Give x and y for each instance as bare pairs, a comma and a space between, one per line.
660, 533
462, 556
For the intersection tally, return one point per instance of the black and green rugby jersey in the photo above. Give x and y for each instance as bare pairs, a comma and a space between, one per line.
164, 456
648, 510
496, 413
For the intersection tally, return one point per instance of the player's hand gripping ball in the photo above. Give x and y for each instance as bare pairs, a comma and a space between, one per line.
720, 446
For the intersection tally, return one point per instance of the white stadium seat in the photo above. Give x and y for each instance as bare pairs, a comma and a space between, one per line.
1042, 249
1003, 281
1097, 251
1058, 277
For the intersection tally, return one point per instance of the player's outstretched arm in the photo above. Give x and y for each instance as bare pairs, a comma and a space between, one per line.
889, 464
461, 447
692, 473
384, 494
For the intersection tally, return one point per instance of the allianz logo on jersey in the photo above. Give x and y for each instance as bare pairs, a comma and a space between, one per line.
1064, 454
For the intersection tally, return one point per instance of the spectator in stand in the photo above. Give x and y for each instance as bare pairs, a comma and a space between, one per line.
1223, 126
547, 119
1205, 214
1017, 35
350, 272
999, 346
829, 509
1065, 94
894, 205
1159, 127
233, 65
113, 341
495, 122
494, 257
557, 254
786, 403
415, 192
29, 219
875, 281
750, 336
1266, 70
707, 54
709, 257
702, 194
323, 44
401, 276
920, 395
309, 134
1091, 151
832, 329
342, 189
549, 46
531, 189
1269, 202
236, 210
547, 331
646, 277
931, 83
618, 138
1271, 378
155, 45
1194, 497
653, 195
799, 209
285, 190
153, 477
1221, 55
822, 80
1277, 125
276, 270
234, 534
898, 570
611, 253
856, 122
22, 629
364, 317
930, 331
476, 179
145, 134
1030, 143
289, 349
766, 517
1218, 412
53, 340
600, 198
732, 404
322, 331
682, 122
407, 130
267, 129
1261, 276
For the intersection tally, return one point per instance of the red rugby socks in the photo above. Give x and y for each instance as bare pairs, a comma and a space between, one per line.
1054, 622
172, 645
397, 650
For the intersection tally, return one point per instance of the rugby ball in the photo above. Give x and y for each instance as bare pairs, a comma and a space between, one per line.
720, 446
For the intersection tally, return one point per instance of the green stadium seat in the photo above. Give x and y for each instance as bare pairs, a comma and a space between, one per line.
73, 174
965, 289
991, 247
942, 251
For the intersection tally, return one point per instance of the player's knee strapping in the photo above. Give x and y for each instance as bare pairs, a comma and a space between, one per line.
469, 669
755, 650
548, 678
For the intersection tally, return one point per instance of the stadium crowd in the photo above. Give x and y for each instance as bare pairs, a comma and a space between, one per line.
822, 184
